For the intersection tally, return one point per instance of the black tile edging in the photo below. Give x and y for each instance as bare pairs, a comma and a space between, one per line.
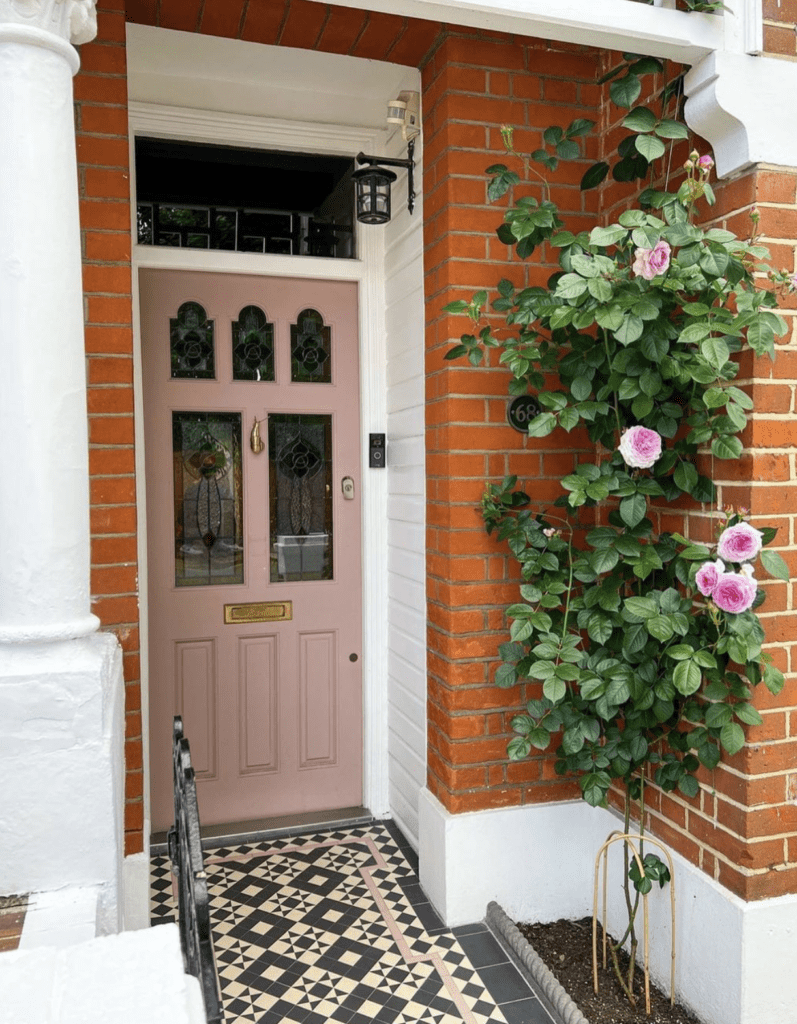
532, 967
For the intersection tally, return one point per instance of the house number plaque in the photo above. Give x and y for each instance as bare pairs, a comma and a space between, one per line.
260, 611
521, 411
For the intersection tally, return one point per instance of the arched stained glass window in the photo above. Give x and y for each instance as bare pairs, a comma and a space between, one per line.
191, 338
311, 349
252, 346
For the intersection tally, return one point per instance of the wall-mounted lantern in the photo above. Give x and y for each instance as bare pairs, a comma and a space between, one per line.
373, 182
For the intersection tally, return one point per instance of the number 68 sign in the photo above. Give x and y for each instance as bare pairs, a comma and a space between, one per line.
521, 411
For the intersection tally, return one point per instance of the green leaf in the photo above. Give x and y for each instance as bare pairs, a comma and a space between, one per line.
632, 510
747, 713
774, 680
710, 756
568, 418
554, 689
604, 560
680, 652
686, 677
714, 351
775, 565
629, 330
607, 236
567, 149
599, 627
642, 607
553, 134
594, 176
732, 738
689, 785
506, 676
581, 388
718, 715
609, 318
715, 397
600, 289
660, 627
714, 260
725, 447
671, 130
570, 286
649, 146
625, 91
685, 476
541, 670
581, 126
518, 748
542, 425
640, 119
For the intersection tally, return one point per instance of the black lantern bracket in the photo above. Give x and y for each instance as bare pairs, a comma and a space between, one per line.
386, 161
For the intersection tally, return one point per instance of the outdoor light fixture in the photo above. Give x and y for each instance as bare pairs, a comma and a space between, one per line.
373, 186
373, 181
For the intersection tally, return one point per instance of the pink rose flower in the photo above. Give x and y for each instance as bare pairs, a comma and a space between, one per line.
705, 163
649, 263
708, 575
739, 543
640, 447
734, 592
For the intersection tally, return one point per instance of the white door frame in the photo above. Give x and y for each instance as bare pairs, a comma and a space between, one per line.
180, 123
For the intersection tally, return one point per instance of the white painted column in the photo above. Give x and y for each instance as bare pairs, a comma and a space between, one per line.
44, 498
61, 687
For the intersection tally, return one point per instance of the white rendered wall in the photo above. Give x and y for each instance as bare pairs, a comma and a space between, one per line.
132, 978
61, 766
735, 960
406, 551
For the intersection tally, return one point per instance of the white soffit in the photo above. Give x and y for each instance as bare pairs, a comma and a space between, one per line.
611, 24
186, 69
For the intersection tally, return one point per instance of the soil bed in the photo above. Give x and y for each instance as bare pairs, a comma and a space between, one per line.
566, 947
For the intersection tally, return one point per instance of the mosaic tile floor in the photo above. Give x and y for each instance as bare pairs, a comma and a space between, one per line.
333, 926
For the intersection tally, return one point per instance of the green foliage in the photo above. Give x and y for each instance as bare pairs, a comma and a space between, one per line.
639, 328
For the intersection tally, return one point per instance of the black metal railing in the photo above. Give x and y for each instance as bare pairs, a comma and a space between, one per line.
185, 853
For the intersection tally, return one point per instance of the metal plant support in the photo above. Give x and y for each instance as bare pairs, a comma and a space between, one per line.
185, 853
633, 843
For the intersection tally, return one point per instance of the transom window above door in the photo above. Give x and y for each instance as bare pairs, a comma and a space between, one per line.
198, 196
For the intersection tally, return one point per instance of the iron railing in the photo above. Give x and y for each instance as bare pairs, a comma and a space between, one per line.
185, 853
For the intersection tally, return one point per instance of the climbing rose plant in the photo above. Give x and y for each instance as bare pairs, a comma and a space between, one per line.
646, 643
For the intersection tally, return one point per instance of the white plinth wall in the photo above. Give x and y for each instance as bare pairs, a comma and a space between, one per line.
735, 960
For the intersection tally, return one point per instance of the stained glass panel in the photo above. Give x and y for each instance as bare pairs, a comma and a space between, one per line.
311, 345
208, 532
191, 335
300, 474
252, 345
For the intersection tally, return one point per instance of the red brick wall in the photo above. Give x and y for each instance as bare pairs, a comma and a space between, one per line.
470, 88
780, 28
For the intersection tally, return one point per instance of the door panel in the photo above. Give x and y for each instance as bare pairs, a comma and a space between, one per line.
273, 709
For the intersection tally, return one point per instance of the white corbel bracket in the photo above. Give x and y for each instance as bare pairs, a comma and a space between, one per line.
743, 106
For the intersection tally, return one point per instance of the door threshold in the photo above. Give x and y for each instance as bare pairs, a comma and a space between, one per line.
237, 832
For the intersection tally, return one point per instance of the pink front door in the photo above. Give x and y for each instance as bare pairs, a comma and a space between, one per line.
254, 575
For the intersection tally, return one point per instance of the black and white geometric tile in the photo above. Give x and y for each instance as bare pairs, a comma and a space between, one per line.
320, 928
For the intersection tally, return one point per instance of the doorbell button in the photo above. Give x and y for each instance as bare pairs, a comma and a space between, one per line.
347, 485
376, 451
